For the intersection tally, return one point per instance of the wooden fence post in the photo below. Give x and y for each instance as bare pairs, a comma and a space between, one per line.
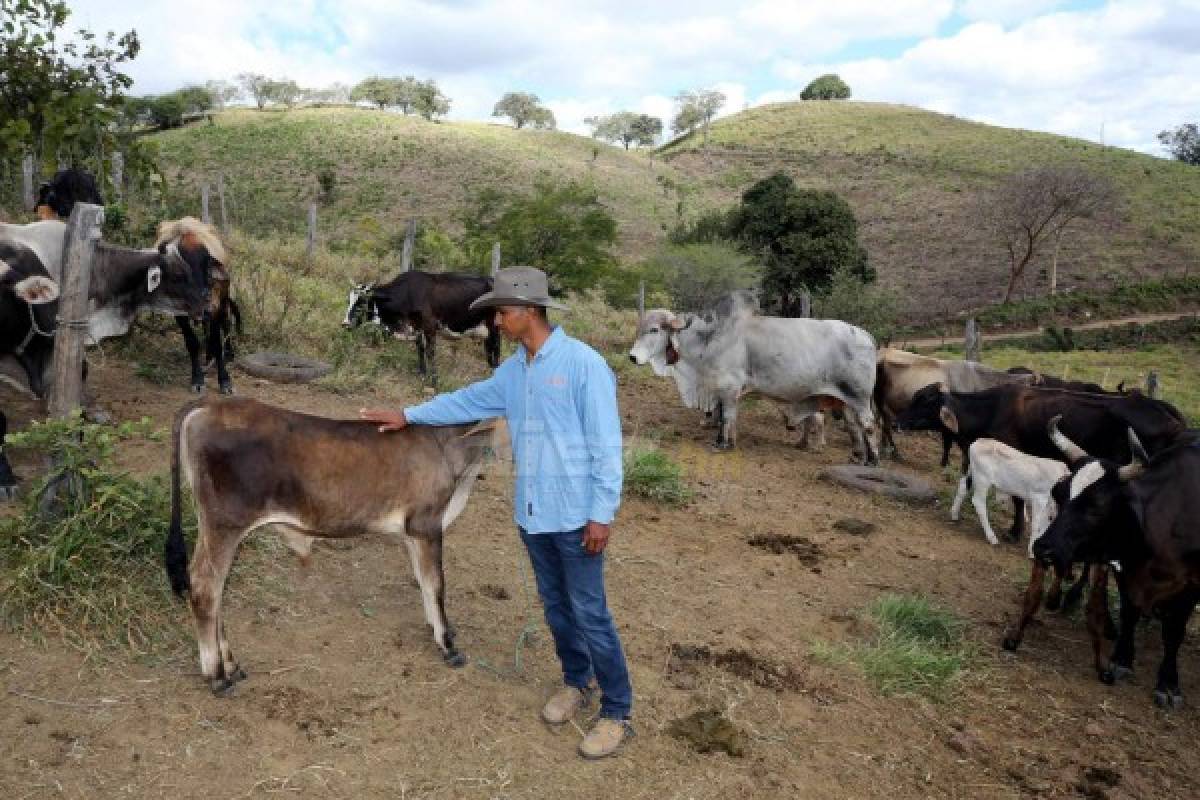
221, 203
1152, 383
641, 301
205, 215
118, 175
805, 303
79, 247
495, 259
312, 228
973, 342
27, 195
410, 239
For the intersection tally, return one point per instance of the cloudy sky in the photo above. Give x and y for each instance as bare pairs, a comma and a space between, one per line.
1116, 71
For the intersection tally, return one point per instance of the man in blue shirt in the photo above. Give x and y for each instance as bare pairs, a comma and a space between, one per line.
560, 400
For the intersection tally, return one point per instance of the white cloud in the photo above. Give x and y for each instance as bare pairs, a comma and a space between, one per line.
1129, 66
1117, 68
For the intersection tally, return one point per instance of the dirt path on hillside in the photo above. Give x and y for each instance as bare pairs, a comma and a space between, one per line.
931, 343
347, 697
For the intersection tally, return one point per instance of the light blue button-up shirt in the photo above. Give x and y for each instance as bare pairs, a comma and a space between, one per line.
562, 417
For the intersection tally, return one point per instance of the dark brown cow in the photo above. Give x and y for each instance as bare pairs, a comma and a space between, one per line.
249, 464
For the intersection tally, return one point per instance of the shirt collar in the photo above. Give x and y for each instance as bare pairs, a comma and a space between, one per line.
556, 337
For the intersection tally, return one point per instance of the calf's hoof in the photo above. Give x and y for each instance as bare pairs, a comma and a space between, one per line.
238, 675
1168, 699
1053, 602
227, 387
454, 658
198, 388
1120, 673
1011, 643
222, 687
1108, 676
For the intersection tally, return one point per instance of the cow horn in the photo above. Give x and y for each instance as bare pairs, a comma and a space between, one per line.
1138, 459
1072, 451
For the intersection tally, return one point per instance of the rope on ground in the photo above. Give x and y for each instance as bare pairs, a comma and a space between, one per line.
528, 628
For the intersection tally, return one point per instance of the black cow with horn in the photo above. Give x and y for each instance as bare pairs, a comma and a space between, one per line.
1142, 516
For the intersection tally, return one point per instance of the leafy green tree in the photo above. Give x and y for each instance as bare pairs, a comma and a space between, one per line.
1183, 143
562, 229
712, 226
802, 235
256, 86
165, 111
851, 299
697, 275
428, 100
524, 108
695, 109
826, 87
223, 93
59, 96
626, 127
284, 92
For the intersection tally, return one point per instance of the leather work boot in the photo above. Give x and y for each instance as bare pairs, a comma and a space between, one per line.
605, 738
563, 704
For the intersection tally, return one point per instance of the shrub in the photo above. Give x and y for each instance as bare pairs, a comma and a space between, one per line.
694, 276
850, 299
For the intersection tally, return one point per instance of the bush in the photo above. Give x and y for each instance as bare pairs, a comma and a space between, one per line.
850, 299
651, 474
826, 87
695, 276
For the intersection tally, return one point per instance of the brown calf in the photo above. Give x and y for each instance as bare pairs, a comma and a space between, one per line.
249, 464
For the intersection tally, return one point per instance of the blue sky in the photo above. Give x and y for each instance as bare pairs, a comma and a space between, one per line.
1079, 67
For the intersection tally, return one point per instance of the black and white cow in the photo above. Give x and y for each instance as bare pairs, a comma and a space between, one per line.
27, 302
426, 301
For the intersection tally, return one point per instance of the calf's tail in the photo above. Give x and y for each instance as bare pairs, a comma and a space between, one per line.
175, 552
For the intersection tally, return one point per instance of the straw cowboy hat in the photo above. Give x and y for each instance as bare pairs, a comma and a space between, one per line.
518, 286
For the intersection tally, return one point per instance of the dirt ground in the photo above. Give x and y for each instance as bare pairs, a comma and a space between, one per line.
347, 696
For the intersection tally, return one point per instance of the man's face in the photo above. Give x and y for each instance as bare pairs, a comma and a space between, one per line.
514, 321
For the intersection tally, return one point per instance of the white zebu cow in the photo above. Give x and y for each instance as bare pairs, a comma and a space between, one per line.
995, 464
720, 354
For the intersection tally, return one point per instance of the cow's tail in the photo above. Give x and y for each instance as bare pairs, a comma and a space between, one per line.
175, 552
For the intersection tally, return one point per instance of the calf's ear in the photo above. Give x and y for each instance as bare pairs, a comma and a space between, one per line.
948, 419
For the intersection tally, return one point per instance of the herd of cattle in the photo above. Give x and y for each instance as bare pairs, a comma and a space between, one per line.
1108, 478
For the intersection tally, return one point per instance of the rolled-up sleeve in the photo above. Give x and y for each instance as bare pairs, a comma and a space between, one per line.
602, 435
475, 402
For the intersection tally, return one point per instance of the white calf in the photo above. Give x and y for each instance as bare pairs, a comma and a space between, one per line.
996, 464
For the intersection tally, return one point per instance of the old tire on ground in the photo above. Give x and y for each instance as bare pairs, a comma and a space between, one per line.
882, 481
283, 367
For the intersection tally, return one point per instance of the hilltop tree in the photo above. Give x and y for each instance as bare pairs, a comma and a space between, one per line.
626, 127
428, 100
562, 229
695, 109
1036, 206
524, 108
826, 87
1183, 143
804, 236
256, 86
58, 94
222, 93
283, 91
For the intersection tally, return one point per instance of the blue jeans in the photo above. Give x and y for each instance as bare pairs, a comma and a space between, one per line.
570, 582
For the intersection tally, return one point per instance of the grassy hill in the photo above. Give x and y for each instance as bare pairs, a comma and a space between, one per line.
912, 176
389, 168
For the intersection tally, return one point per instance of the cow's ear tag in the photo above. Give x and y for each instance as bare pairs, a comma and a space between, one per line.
153, 278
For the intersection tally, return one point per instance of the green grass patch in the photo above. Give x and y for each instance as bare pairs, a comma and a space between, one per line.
88, 566
652, 474
917, 648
